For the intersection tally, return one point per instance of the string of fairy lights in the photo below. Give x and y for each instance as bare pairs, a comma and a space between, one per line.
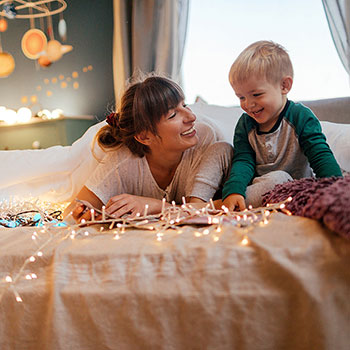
207, 222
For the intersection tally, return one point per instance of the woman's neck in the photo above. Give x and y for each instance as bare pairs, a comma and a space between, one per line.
163, 167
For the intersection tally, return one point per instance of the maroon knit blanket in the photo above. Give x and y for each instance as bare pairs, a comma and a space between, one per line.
325, 199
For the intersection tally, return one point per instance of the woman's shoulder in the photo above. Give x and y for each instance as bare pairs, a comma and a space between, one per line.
207, 130
120, 157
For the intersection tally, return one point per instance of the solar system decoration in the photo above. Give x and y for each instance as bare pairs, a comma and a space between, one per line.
35, 44
7, 63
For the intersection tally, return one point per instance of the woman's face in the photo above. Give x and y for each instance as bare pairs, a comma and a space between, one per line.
176, 131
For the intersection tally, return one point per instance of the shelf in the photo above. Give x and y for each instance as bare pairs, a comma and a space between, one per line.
61, 131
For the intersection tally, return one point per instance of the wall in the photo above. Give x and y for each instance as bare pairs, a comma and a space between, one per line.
90, 32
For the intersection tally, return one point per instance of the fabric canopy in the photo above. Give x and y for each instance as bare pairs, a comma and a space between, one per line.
149, 36
338, 16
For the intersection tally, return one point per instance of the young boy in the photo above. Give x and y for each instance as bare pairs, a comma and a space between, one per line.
275, 140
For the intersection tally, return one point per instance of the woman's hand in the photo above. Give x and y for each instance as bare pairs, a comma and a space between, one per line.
123, 204
79, 211
234, 202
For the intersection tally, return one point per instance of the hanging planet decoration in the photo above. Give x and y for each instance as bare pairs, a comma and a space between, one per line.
7, 64
33, 43
10, 10
55, 50
3, 25
44, 61
62, 29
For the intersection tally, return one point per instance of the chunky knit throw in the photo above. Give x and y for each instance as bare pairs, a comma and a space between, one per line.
324, 199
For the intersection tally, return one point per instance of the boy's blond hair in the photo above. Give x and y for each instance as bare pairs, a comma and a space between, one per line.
262, 59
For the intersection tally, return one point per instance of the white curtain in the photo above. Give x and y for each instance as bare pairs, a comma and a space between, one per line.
149, 35
338, 16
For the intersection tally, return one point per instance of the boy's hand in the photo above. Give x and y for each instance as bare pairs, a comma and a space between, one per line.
234, 202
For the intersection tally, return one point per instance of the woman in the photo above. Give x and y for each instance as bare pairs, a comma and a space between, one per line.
155, 149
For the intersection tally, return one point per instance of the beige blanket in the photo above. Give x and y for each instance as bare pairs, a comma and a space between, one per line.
287, 288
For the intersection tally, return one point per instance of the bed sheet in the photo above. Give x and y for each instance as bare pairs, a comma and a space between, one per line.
286, 286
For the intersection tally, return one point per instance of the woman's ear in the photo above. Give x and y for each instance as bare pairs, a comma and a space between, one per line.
143, 137
286, 84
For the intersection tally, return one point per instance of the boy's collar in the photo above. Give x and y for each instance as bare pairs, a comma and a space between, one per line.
278, 122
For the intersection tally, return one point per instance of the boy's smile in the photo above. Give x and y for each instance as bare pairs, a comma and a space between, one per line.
263, 101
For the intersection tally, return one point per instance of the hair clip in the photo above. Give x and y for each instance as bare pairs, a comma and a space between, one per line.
113, 119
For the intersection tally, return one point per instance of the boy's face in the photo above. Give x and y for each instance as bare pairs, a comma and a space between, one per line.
263, 101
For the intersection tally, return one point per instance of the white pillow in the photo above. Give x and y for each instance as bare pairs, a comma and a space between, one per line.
338, 138
225, 118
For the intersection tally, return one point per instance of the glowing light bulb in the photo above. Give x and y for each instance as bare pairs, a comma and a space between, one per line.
45, 114
244, 241
2, 112
8, 279
56, 113
24, 115
146, 209
10, 116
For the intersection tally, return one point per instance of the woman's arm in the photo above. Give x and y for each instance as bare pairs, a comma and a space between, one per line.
132, 205
212, 171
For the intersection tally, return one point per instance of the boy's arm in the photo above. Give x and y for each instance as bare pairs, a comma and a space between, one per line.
243, 166
313, 143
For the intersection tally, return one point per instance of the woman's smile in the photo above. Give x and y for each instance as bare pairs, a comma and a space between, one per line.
190, 132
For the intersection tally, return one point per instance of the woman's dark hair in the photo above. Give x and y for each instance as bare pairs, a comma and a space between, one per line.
141, 108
